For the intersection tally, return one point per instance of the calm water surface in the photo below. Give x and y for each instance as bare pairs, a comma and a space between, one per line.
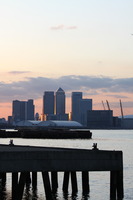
99, 181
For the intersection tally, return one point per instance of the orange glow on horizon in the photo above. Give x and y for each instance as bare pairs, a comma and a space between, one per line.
6, 108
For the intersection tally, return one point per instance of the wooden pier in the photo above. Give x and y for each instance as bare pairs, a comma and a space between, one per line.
47, 133
28, 160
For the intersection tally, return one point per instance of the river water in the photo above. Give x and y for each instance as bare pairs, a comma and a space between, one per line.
99, 181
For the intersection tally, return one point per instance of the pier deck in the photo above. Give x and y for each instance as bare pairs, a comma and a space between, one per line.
14, 159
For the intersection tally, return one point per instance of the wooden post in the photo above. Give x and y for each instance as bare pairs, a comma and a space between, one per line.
54, 181
14, 185
66, 182
34, 194
113, 185
47, 186
2, 185
3, 178
116, 185
120, 191
85, 182
74, 183
21, 184
34, 180
65, 195
28, 180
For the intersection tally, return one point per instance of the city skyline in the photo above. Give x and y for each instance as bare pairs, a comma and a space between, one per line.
79, 104
76, 45
115, 106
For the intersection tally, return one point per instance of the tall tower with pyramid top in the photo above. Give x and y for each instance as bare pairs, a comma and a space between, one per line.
60, 101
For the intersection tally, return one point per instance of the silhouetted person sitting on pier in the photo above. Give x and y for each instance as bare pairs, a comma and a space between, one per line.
94, 146
11, 143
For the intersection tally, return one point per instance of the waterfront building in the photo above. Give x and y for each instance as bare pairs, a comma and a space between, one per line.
60, 102
3, 121
10, 120
61, 117
50, 124
48, 103
127, 123
30, 109
37, 117
76, 97
22, 110
84, 106
100, 119
16, 110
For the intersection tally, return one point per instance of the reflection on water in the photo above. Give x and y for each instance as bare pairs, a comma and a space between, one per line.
31, 194
3, 193
66, 196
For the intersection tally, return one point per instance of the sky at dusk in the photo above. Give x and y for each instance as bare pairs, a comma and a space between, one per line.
78, 45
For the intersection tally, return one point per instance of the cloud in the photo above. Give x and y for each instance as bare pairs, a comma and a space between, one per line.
118, 96
63, 27
71, 27
19, 72
91, 85
59, 27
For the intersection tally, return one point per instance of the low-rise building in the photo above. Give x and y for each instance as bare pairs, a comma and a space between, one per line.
99, 119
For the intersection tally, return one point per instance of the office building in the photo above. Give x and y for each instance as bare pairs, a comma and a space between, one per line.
100, 119
48, 102
22, 110
10, 120
30, 109
16, 110
84, 106
76, 97
60, 102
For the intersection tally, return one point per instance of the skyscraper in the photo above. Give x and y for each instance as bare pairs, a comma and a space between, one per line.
16, 110
48, 102
30, 109
84, 106
76, 97
22, 110
60, 101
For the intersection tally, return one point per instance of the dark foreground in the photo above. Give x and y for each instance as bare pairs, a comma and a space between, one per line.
29, 160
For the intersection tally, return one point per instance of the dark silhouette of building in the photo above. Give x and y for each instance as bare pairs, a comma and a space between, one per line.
22, 110
54, 105
100, 119
16, 111
48, 102
84, 106
76, 97
60, 102
30, 109
37, 117
60, 117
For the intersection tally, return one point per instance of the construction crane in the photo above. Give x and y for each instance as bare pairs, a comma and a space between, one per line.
121, 110
108, 104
